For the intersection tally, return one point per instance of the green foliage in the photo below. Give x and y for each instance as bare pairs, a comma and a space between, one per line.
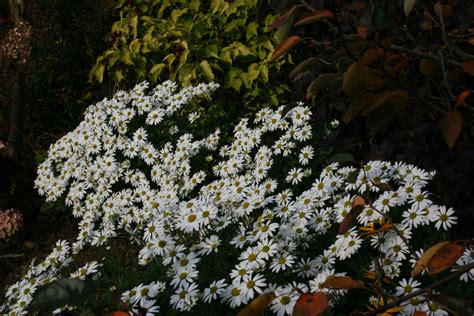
193, 41
59, 293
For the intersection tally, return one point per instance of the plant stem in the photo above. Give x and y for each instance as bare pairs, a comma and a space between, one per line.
426, 289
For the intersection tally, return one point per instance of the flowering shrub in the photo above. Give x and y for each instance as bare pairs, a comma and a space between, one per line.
252, 203
16, 45
10, 222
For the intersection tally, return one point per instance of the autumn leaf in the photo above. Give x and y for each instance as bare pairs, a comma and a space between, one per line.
311, 304
422, 263
468, 67
445, 257
461, 97
451, 127
342, 283
313, 17
357, 6
358, 205
362, 31
419, 313
257, 305
446, 9
118, 313
285, 46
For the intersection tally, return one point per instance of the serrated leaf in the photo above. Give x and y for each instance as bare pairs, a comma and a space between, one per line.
408, 6
314, 16
257, 305
342, 283
451, 127
59, 293
311, 304
422, 262
303, 66
285, 46
444, 258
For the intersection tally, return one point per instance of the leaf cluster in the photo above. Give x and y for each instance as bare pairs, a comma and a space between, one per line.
192, 41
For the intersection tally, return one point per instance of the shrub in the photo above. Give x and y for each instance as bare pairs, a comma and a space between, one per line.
191, 41
234, 221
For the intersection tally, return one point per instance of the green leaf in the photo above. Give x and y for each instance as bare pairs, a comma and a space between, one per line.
176, 13
59, 293
206, 68
341, 157
118, 75
134, 25
11, 255
127, 58
155, 71
212, 51
99, 72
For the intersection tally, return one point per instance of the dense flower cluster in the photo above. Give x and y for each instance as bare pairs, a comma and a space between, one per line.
10, 222
16, 45
259, 208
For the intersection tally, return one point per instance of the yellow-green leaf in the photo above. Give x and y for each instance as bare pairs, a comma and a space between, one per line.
118, 75
206, 68
134, 25
408, 6
99, 72
127, 58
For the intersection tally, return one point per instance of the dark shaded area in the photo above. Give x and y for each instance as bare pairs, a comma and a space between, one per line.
67, 35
